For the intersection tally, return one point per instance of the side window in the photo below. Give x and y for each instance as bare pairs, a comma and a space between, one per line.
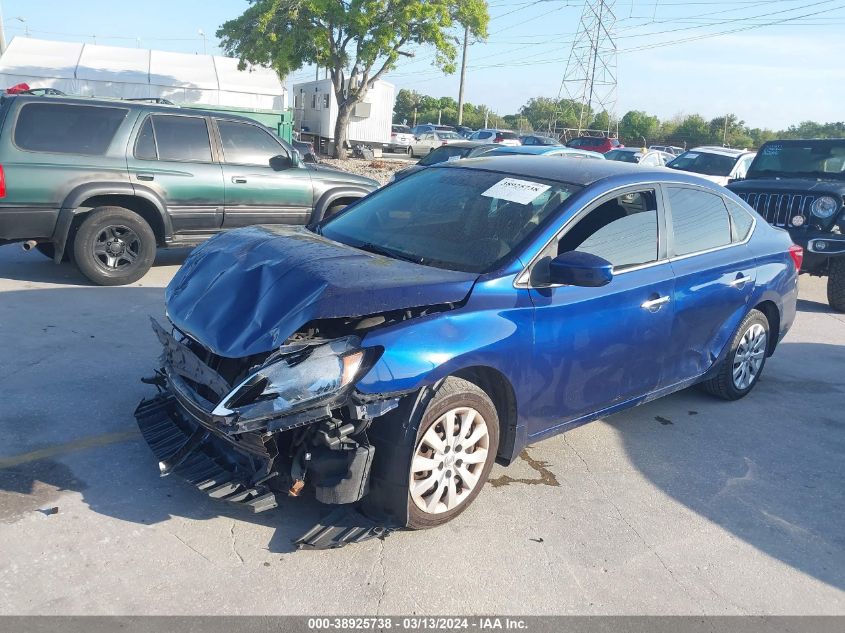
742, 166
246, 144
67, 129
529, 140
699, 220
181, 138
741, 221
622, 230
145, 145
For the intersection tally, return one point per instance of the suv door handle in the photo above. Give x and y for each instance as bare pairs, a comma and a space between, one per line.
739, 282
145, 176
654, 304
239, 180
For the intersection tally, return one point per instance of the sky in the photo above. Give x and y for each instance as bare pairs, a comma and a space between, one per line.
771, 62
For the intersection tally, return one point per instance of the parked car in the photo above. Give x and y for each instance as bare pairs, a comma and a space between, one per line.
447, 153
464, 131
401, 138
427, 141
800, 186
601, 144
108, 181
546, 150
387, 357
669, 149
535, 139
503, 137
717, 164
431, 127
647, 158
306, 150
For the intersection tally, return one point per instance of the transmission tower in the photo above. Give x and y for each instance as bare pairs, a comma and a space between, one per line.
590, 75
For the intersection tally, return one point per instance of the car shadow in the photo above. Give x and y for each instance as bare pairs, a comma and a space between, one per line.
34, 267
767, 469
817, 307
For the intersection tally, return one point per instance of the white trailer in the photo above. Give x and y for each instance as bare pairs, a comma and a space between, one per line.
315, 113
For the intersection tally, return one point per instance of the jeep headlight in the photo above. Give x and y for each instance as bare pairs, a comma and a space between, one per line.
291, 381
824, 207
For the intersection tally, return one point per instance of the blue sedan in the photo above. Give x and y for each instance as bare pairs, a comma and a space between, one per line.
388, 357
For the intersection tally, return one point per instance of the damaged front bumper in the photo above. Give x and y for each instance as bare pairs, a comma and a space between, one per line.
244, 449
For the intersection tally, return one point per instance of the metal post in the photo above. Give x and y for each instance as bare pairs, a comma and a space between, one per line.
2, 33
463, 78
725, 135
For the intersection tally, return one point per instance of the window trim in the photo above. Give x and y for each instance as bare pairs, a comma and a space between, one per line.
159, 159
14, 127
523, 279
219, 138
722, 197
137, 135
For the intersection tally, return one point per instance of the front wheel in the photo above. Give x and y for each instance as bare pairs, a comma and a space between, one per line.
836, 284
114, 246
741, 369
455, 448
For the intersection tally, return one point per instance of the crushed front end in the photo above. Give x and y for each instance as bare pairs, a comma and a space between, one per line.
251, 429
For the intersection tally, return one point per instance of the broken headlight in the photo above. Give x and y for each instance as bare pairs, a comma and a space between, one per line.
307, 376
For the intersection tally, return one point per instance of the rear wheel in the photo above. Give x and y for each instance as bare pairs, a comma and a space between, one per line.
741, 369
836, 284
455, 448
114, 246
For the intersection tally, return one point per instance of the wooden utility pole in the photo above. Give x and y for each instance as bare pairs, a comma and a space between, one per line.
463, 78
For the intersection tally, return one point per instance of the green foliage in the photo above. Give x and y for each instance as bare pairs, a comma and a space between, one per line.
637, 125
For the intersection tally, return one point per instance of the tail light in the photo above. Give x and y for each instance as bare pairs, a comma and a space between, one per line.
499, 138
795, 252
2, 182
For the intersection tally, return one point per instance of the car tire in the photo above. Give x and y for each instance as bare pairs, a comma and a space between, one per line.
454, 480
114, 246
836, 284
410, 151
741, 369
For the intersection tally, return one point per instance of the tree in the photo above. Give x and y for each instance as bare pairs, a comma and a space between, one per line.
636, 125
691, 131
358, 41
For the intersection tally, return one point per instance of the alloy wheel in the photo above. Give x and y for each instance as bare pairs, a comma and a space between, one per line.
749, 356
449, 460
116, 247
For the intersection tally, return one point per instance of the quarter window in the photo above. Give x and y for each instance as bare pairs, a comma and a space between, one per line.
67, 129
622, 230
741, 221
181, 138
699, 220
246, 144
145, 146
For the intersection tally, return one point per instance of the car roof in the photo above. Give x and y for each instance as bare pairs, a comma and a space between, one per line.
633, 150
460, 144
542, 150
724, 151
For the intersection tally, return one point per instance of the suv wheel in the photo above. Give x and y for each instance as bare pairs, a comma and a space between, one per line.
114, 246
836, 284
741, 370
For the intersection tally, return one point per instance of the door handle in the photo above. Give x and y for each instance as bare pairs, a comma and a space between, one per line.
739, 282
654, 304
145, 177
239, 180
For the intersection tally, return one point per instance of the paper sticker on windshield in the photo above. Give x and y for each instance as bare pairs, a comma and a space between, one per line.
772, 150
515, 190
691, 155
455, 157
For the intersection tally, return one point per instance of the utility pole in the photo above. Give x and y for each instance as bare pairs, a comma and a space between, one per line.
463, 78
725, 135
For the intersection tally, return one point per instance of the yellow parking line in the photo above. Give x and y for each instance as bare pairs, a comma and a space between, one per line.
70, 447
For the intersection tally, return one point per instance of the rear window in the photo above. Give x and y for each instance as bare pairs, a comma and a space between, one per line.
67, 129
507, 135
443, 154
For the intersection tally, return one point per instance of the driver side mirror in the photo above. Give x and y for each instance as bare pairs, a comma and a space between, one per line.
580, 269
283, 162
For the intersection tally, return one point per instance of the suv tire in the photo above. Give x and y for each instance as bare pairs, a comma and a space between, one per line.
746, 357
114, 246
836, 284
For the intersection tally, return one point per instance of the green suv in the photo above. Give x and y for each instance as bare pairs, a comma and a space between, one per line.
105, 182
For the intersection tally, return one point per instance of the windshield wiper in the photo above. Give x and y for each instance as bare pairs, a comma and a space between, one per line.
381, 250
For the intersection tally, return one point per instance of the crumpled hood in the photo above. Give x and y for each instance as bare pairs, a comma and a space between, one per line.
246, 291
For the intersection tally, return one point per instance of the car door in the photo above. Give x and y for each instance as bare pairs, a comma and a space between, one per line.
715, 273
255, 192
599, 347
172, 157
422, 145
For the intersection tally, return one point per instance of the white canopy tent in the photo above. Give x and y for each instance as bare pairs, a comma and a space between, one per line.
111, 71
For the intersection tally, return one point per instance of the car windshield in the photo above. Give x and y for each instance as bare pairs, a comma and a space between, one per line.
546, 140
401, 129
449, 135
816, 159
623, 156
453, 218
443, 154
704, 163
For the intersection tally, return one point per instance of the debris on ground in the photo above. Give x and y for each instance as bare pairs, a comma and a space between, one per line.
377, 169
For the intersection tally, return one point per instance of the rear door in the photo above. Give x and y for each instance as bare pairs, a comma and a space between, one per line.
255, 193
715, 274
172, 157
